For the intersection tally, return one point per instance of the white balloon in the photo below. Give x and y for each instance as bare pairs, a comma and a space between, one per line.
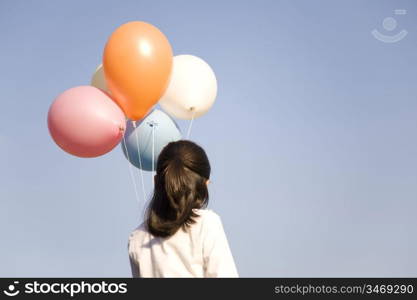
192, 88
98, 80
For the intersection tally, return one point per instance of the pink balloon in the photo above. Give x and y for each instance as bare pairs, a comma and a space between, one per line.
85, 122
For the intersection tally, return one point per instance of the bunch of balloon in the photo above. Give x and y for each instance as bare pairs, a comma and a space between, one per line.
138, 71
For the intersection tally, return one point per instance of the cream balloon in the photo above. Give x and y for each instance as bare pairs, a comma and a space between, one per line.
192, 88
98, 80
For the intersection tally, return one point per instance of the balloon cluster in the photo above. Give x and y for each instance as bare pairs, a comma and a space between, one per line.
138, 71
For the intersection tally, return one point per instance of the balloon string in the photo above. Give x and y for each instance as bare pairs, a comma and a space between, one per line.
191, 123
131, 171
153, 154
140, 161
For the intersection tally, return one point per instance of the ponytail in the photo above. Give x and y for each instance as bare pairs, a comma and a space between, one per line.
180, 186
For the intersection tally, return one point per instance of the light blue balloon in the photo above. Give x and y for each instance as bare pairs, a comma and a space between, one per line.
165, 131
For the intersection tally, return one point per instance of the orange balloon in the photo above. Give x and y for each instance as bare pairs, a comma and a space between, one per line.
137, 65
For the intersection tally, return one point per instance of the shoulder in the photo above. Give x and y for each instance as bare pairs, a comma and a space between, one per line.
136, 233
209, 218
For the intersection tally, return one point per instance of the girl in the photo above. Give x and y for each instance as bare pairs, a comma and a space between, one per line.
180, 237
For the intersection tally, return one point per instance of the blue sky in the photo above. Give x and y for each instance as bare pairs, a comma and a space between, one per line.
312, 138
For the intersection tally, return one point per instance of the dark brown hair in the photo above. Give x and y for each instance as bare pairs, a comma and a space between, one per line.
182, 171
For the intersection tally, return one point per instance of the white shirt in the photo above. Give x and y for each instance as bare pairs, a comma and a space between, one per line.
202, 251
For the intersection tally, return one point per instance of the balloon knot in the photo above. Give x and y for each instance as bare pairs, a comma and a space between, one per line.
152, 123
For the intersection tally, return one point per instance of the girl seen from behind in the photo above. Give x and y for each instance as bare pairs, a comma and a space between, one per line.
180, 237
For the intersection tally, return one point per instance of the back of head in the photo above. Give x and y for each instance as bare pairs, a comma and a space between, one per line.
182, 172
